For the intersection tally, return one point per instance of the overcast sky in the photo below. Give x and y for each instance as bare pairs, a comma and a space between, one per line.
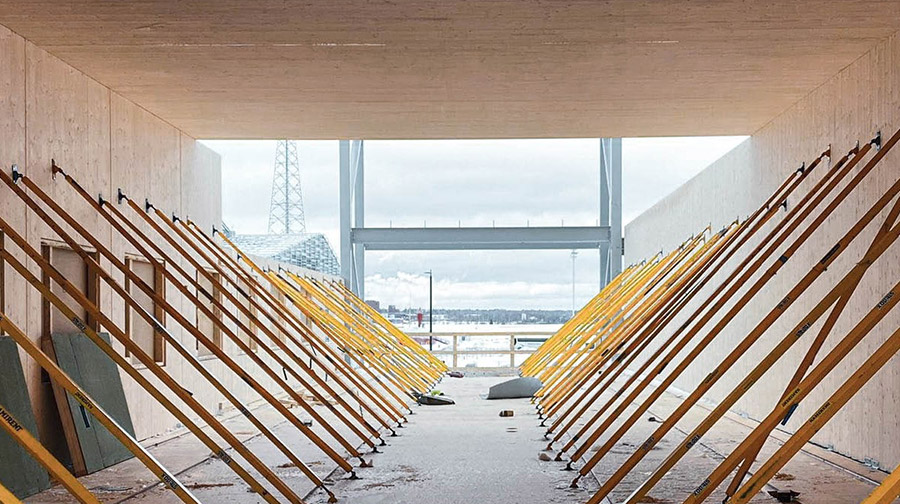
470, 183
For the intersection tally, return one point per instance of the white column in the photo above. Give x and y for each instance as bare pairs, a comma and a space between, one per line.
617, 244
359, 252
346, 253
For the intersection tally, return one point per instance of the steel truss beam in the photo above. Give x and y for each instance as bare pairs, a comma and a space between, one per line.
481, 238
356, 238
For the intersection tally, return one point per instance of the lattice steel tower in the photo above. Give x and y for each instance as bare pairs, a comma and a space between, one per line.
286, 212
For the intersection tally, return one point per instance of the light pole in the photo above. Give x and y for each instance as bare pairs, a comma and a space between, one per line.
430, 299
574, 255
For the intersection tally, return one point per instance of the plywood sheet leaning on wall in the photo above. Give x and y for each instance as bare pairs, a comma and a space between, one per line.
19, 473
97, 374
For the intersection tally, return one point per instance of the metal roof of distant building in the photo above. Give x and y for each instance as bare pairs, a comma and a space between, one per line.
306, 250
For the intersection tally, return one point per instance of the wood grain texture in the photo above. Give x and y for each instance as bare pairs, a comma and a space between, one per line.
12, 151
455, 69
106, 142
854, 105
50, 110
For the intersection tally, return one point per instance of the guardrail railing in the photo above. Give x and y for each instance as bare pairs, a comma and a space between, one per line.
483, 349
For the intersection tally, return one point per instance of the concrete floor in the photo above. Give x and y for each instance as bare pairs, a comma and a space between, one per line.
467, 453
208, 478
821, 476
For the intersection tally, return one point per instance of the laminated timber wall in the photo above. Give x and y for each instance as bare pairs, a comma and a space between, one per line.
862, 99
48, 110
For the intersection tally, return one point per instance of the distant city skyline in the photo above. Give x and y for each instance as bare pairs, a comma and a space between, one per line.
468, 183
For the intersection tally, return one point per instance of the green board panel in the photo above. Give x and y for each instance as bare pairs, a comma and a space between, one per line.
19, 472
98, 375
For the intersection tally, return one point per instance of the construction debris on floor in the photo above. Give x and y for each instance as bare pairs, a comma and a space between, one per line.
433, 399
517, 388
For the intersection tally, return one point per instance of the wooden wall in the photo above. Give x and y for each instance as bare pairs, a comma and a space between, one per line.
48, 110
862, 99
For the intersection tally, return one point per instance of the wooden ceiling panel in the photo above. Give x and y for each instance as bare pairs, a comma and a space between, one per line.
455, 69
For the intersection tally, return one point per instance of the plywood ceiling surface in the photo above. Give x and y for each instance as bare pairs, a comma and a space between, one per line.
455, 69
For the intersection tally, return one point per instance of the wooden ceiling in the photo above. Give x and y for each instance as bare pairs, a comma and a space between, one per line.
457, 69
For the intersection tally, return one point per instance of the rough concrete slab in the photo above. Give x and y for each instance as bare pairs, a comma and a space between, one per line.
465, 454
820, 478
517, 388
209, 479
